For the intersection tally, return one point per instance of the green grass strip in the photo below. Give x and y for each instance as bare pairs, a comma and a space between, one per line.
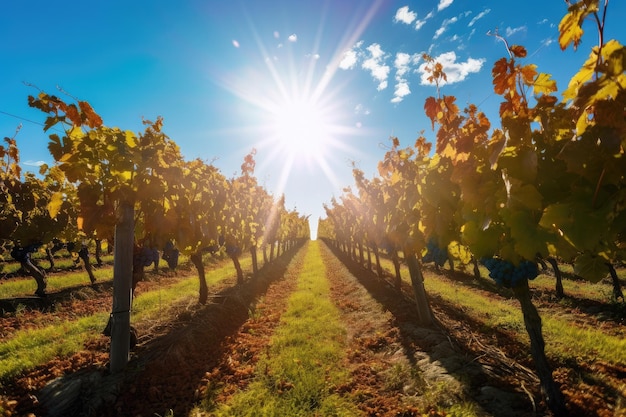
16, 287
564, 339
26, 286
27, 349
298, 375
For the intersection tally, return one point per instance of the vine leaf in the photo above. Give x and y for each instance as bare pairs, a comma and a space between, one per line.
544, 84
570, 30
518, 51
592, 268
55, 203
431, 107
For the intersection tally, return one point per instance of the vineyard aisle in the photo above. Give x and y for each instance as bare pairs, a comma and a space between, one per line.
324, 342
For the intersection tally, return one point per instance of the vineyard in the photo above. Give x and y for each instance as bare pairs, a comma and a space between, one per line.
481, 276
205, 359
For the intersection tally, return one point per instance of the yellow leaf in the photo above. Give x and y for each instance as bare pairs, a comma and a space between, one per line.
543, 84
583, 76
582, 123
131, 140
54, 205
570, 30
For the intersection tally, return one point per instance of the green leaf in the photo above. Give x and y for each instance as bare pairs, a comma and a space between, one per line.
526, 196
591, 268
482, 242
529, 239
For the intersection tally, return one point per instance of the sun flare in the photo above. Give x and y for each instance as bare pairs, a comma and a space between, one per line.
300, 128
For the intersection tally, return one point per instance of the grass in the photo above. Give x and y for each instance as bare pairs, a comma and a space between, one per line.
27, 349
26, 286
577, 288
297, 375
17, 287
564, 340
63, 260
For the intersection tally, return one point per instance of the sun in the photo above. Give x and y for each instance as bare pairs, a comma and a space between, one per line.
300, 128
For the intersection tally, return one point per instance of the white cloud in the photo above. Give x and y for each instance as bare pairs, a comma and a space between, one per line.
293, 38
479, 16
402, 65
235, 43
361, 109
276, 34
443, 4
375, 64
402, 89
511, 31
404, 15
455, 71
34, 163
444, 26
351, 57
419, 24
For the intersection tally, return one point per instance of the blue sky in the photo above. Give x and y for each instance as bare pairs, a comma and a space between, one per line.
229, 76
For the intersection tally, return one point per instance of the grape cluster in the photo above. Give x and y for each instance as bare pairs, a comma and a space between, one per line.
23, 254
145, 257
508, 275
233, 250
435, 254
170, 255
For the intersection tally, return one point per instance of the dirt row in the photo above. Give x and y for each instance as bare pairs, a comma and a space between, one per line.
591, 388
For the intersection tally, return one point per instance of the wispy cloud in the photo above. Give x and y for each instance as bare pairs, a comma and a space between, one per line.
444, 26
34, 163
421, 22
478, 17
455, 71
443, 4
376, 65
512, 31
404, 15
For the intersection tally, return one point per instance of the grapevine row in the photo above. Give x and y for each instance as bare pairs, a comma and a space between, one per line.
133, 190
548, 183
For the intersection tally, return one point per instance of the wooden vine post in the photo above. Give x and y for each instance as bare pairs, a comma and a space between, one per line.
122, 287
